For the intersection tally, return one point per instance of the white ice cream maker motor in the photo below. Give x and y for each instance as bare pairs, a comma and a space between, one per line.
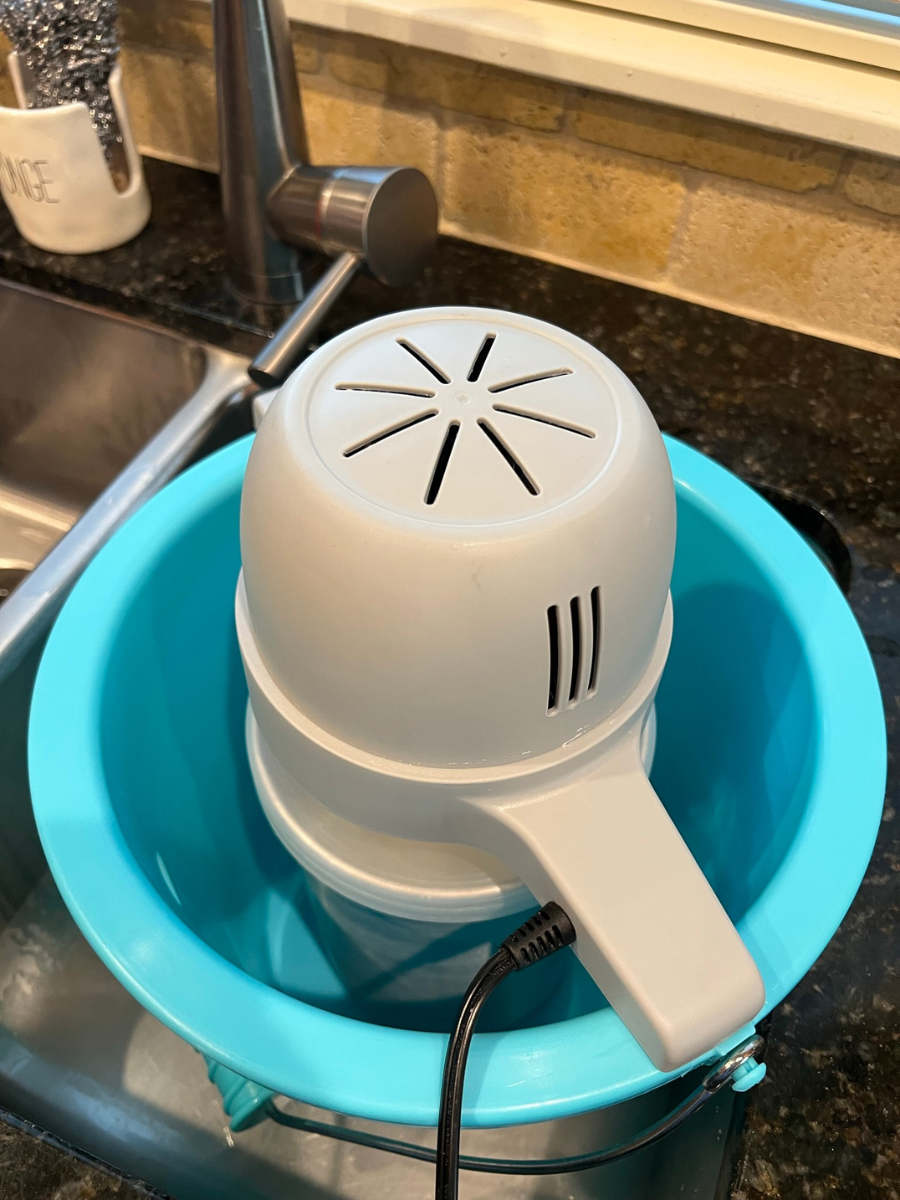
457, 536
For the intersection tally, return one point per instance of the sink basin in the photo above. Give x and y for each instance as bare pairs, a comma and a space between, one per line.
81, 392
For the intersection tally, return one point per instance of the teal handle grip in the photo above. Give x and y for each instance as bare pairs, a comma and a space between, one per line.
246, 1103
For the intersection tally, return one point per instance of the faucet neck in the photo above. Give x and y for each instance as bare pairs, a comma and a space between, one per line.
261, 140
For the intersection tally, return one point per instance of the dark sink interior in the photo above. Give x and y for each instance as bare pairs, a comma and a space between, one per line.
80, 393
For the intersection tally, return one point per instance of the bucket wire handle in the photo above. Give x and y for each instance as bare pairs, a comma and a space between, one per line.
722, 1073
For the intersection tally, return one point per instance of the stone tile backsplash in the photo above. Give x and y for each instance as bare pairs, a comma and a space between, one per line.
555, 196
786, 230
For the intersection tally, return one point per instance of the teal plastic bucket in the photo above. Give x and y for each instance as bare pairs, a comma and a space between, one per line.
771, 759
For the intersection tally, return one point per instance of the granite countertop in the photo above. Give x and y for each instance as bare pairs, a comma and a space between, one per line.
781, 409
34, 1165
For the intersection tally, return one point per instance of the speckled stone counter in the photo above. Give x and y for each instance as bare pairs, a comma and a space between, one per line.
36, 1166
803, 415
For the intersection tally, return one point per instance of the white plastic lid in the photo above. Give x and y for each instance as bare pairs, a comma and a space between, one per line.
434, 881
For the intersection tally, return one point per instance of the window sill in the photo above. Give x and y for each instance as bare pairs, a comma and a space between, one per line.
815, 95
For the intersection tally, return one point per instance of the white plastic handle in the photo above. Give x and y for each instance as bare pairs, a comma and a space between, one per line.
651, 931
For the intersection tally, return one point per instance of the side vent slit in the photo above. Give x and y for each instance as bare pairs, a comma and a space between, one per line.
481, 358
443, 461
595, 639
553, 626
423, 358
575, 612
574, 680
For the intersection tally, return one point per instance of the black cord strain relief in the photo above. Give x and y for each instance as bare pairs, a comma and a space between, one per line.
540, 936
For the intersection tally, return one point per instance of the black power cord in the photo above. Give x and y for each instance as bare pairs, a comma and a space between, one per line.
543, 934
493, 972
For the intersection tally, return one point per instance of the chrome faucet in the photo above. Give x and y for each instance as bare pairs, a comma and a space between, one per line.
261, 142
274, 202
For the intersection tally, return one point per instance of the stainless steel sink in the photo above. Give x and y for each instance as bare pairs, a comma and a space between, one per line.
97, 412
81, 392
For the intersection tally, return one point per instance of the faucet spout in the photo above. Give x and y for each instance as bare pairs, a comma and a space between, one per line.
383, 219
261, 141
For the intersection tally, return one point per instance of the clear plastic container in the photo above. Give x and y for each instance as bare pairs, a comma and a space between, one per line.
413, 974
405, 924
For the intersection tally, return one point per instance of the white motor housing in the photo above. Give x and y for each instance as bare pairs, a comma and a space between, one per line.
457, 532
